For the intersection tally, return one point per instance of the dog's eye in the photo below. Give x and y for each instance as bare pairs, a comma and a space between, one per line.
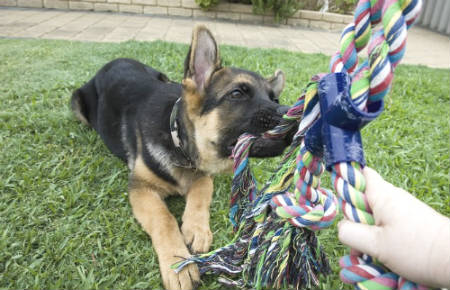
273, 97
236, 94
245, 89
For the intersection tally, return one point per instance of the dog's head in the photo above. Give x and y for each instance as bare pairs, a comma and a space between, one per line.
221, 103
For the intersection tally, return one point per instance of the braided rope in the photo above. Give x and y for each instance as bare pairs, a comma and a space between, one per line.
349, 184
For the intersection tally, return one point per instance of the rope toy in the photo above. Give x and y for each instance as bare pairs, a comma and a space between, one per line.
275, 245
267, 252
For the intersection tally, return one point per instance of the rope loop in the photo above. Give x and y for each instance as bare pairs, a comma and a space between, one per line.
386, 46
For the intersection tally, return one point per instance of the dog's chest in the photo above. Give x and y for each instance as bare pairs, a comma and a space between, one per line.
185, 178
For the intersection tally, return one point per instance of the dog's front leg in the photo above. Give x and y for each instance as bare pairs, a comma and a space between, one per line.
154, 216
195, 228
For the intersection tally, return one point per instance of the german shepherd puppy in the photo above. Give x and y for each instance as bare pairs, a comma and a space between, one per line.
175, 137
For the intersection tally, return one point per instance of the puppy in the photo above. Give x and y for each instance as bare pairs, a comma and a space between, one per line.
176, 137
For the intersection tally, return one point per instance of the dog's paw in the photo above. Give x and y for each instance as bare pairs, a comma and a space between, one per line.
197, 236
186, 279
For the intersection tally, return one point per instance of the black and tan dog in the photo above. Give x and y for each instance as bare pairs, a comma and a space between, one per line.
175, 137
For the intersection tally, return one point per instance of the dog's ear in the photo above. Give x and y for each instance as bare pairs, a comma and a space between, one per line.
276, 82
203, 57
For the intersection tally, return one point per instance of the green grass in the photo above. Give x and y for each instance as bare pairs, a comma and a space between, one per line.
64, 213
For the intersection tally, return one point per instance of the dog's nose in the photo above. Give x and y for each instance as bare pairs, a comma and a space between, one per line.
283, 109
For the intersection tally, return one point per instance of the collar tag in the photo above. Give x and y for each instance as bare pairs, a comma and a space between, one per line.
174, 132
174, 125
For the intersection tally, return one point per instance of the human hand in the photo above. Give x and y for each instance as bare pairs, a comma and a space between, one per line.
409, 237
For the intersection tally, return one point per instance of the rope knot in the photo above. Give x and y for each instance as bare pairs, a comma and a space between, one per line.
310, 205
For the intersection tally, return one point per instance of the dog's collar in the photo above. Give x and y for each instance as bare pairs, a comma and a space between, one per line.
175, 129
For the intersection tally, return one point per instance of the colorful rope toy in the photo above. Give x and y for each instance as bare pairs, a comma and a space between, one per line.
275, 245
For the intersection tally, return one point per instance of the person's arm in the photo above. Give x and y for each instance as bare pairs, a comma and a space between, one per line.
409, 237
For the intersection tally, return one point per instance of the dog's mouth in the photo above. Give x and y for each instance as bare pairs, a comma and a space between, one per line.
231, 145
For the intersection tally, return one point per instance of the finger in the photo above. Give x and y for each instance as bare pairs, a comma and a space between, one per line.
376, 187
373, 179
361, 237
354, 252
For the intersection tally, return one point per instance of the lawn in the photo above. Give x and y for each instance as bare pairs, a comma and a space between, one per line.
64, 213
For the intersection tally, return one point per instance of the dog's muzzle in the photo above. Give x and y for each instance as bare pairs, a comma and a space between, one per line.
266, 119
283, 110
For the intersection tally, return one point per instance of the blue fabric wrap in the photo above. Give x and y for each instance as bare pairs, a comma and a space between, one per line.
335, 135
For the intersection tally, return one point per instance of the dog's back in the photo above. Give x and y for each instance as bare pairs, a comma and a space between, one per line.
122, 74
110, 100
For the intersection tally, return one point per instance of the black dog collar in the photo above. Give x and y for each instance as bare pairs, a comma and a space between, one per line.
175, 132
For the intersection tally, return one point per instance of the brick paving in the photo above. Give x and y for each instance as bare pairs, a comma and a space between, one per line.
423, 47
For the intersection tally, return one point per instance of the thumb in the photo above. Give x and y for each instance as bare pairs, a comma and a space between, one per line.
377, 189
361, 237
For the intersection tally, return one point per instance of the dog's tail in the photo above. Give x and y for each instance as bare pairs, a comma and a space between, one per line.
84, 103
